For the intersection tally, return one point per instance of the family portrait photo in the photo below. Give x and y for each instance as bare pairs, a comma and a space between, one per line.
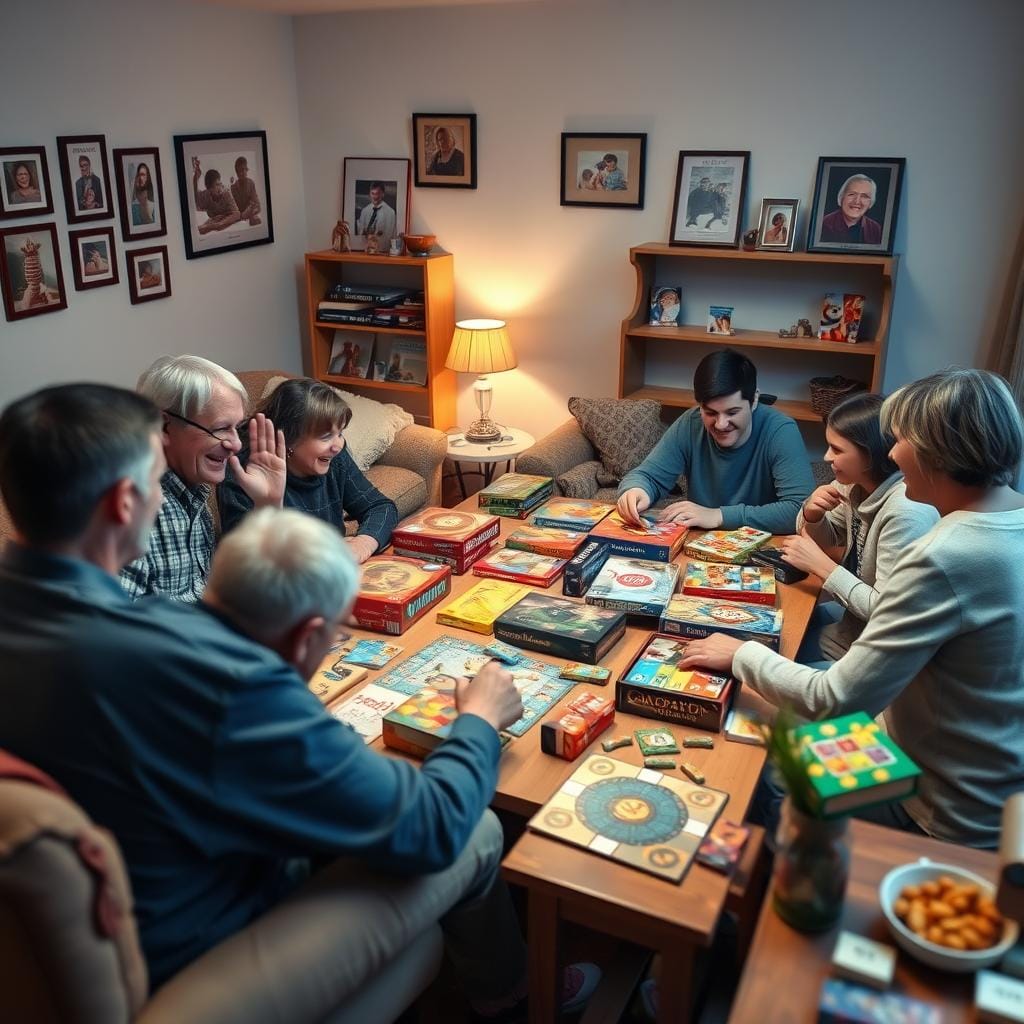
93, 258
140, 193
710, 189
666, 304
148, 275
24, 183
375, 201
224, 185
856, 200
603, 170
444, 150
31, 275
777, 224
86, 177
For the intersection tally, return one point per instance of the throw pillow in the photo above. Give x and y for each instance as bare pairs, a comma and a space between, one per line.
622, 430
373, 427
580, 481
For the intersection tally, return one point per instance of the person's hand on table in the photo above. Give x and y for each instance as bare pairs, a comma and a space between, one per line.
691, 515
802, 552
491, 694
631, 503
714, 652
361, 547
823, 499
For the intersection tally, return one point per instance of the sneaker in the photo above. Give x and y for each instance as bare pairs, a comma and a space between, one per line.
579, 982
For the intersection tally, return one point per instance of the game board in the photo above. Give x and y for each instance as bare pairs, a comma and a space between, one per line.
444, 659
640, 817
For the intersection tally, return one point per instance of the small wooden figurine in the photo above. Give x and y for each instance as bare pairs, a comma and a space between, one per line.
339, 236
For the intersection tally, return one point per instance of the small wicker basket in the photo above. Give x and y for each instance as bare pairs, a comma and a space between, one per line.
828, 392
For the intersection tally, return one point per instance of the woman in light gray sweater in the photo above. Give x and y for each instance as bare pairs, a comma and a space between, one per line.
943, 652
853, 530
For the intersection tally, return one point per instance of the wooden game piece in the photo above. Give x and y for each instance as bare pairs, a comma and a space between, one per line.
618, 741
659, 762
692, 772
704, 742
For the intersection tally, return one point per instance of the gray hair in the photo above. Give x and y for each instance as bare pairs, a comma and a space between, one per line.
278, 567
852, 178
184, 384
963, 423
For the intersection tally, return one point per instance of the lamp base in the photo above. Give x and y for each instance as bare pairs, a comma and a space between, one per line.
481, 431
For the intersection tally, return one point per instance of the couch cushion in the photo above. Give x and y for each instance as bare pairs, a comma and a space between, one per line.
580, 481
622, 430
408, 490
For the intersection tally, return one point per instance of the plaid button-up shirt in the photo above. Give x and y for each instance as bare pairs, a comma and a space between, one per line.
177, 562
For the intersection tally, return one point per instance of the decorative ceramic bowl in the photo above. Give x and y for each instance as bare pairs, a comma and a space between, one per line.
419, 245
941, 957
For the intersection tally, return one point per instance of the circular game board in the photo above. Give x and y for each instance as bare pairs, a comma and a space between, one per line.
631, 811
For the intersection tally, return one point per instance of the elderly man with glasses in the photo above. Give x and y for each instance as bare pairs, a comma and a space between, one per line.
203, 410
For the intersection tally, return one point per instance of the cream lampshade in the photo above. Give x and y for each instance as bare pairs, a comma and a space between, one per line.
481, 347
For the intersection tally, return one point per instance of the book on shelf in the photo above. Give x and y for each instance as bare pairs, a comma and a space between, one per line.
372, 294
402, 360
654, 540
519, 567
391, 318
634, 585
479, 606
344, 306
754, 584
340, 316
699, 617
351, 354
733, 546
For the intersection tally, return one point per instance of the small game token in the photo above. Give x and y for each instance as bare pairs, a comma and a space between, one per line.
860, 959
580, 673
659, 762
503, 652
656, 741
706, 742
613, 744
693, 772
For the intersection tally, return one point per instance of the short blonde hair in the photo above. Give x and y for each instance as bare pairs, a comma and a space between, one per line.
963, 423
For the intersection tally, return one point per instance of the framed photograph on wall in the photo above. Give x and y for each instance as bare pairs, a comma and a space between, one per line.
603, 170
856, 200
444, 150
149, 276
375, 201
140, 193
224, 185
93, 259
86, 177
776, 228
708, 205
24, 182
30, 276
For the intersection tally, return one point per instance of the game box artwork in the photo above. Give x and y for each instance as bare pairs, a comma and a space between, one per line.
514, 494
572, 513
655, 541
519, 567
754, 584
698, 617
637, 816
563, 628
733, 546
479, 606
581, 570
633, 585
546, 540
395, 592
654, 686
446, 535
585, 717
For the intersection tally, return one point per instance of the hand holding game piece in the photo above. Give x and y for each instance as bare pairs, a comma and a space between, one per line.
491, 695
631, 503
714, 652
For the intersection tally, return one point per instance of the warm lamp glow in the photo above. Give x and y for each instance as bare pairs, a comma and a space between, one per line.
481, 346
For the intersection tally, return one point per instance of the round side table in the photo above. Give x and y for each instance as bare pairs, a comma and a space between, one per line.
487, 456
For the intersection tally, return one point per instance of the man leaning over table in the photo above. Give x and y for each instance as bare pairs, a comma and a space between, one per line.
190, 732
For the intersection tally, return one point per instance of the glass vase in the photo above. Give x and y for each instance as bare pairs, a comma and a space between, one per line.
812, 865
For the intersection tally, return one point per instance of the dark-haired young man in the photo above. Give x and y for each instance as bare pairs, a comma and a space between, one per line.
745, 464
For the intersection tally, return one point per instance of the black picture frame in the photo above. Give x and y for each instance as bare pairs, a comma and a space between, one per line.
141, 208
206, 151
16, 279
583, 174
14, 205
828, 219
159, 265
719, 169
85, 198
93, 258
430, 168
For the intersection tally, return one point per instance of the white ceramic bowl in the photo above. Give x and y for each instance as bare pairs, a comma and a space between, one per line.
942, 957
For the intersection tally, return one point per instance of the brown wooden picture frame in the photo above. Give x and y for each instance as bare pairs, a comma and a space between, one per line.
589, 177
432, 170
93, 258
141, 208
34, 271
135, 263
71, 150
11, 203
359, 174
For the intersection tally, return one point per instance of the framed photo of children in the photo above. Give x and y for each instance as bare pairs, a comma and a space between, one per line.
30, 276
776, 227
140, 193
444, 150
603, 170
24, 183
375, 201
856, 200
708, 205
86, 177
149, 277
224, 186
93, 259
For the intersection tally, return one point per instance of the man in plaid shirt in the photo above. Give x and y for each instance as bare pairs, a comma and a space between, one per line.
203, 408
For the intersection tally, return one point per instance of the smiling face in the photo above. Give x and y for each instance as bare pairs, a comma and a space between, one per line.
312, 456
729, 419
857, 200
918, 478
850, 464
22, 177
194, 455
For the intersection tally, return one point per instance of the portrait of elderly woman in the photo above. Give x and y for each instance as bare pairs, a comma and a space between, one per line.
23, 184
444, 150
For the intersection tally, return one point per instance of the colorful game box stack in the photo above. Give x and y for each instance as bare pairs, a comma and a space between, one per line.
514, 495
634, 586
546, 540
655, 541
445, 535
572, 513
699, 617
734, 546
581, 570
395, 592
479, 606
754, 584
566, 629
520, 567
586, 716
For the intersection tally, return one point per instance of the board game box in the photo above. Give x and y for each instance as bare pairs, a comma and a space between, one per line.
586, 716
479, 606
519, 567
654, 686
581, 570
395, 592
754, 584
515, 491
655, 541
637, 816
698, 617
572, 513
334, 677
852, 763
563, 628
453, 537
734, 546
546, 540
634, 586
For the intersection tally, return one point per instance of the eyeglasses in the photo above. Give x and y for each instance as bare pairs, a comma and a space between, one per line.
221, 434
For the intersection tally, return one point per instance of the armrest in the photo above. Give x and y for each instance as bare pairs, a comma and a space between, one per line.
421, 450
558, 452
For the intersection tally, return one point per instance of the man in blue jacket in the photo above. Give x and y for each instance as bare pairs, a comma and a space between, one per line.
745, 464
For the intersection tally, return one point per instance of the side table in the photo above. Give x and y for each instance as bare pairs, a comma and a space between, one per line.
487, 456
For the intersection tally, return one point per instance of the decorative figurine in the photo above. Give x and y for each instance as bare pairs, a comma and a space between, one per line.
750, 240
791, 333
372, 244
804, 327
339, 236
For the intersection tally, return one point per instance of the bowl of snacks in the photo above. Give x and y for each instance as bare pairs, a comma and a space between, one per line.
945, 917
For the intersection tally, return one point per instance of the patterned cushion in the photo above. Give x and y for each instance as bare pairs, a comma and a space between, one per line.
580, 481
621, 429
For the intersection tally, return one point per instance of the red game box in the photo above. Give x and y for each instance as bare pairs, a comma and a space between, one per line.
586, 716
449, 536
395, 592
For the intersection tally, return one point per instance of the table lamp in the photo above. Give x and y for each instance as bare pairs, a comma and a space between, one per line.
482, 347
